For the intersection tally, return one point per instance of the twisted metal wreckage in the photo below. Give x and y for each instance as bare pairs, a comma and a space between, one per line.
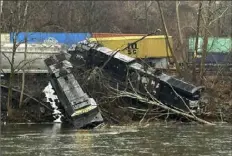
83, 110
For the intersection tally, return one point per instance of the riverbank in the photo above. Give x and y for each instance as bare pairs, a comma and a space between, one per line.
217, 104
218, 98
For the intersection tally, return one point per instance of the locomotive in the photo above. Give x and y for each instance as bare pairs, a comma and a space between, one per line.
80, 110
169, 90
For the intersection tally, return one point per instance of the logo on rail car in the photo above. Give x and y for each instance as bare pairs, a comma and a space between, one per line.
132, 48
50, 41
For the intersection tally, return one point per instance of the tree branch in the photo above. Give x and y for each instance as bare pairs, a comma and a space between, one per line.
17, 67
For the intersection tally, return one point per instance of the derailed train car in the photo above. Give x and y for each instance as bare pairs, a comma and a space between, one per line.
167, 89
35, 55
81, 110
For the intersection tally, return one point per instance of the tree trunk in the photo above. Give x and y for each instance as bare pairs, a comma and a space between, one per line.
11, 79
196, 43
167, 40
205, 42
1, 6
23, 75
183, 53
12, 72
231, 38
25, 58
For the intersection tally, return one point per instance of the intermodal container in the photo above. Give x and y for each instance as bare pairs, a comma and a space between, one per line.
215, 44
150, 47
34, 63
41, 37
218, 50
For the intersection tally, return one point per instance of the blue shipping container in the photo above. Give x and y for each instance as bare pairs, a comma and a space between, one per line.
40, 37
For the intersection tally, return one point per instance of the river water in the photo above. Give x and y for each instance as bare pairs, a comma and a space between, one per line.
155, 139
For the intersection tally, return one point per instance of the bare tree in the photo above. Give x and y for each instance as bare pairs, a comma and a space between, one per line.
196, 42
167, 40
157, 103
183, 53
147, 6
138, 83
1, 6
18, 21
231, 38
15, 17
25, 55
205, 40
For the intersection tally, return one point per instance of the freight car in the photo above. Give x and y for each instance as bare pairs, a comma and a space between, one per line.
61, 37
152, 49
218, 50
169, 90
35, 55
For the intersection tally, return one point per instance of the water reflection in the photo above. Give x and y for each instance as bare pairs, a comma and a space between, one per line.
57, 139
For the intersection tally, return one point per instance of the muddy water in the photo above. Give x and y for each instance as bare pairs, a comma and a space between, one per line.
157, 139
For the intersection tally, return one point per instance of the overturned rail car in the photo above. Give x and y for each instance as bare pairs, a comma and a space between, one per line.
81, 110
36, 53
167, 89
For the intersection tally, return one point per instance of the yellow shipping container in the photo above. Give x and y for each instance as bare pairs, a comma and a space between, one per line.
150, 47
